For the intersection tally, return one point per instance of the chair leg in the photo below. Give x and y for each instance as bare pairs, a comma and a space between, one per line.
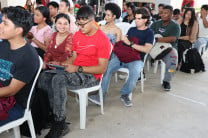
155, 66
116, 77
82, 105
148, 64
142, 81
16, 132
31, 125
162, 72
101, 100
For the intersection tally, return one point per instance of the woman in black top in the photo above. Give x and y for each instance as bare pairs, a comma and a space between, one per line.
131, 8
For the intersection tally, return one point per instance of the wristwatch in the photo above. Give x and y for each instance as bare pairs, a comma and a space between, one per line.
80, 69
131, 44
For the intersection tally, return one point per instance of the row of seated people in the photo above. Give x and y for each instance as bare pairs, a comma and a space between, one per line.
85, 58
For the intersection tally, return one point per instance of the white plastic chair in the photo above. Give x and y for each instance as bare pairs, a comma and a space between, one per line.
124, 26
83, 100
162, 64
83, 97
202, 50
102, 22
27, 115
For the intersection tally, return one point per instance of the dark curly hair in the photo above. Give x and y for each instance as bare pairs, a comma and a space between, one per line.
114, 8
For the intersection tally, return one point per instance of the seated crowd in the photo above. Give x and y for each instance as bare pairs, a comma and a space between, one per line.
87, 53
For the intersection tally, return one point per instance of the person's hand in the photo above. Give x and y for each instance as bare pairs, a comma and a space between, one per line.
44, 66
29, 37
70, 68
203, 13
197, 14
125, 39
54, 62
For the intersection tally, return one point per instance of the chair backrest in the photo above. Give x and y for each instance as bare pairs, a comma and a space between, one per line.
133, 24
102, 22
34, 82
124, 26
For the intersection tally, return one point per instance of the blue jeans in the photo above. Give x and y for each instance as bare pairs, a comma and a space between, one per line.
200, 41
17, 111
114, 64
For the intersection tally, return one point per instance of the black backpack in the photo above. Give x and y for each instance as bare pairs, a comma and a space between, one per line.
192, 60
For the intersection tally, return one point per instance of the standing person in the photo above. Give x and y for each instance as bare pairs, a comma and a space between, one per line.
18, 60
189, 31
112, 12
131, 8
170, 30
145, 38
40, 34
84, 69
94, 5
53, 9
160, 11
29, 6
203, 28
64, 8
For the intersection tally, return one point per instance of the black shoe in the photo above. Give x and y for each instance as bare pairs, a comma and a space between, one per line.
166, 86
203, 70
126, 101
58, 129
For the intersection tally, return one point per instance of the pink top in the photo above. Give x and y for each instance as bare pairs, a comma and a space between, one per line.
73, 27
42, 34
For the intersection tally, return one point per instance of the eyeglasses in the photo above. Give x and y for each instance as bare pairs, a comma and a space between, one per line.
83, 25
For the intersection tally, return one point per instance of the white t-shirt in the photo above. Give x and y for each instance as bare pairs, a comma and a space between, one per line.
203, 32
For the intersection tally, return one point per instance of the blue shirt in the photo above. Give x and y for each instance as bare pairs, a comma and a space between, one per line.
143, 36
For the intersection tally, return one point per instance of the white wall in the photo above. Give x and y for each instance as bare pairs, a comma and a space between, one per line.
3, 3
157, 2
16, 2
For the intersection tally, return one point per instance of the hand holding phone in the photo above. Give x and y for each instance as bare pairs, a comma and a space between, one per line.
58, 67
